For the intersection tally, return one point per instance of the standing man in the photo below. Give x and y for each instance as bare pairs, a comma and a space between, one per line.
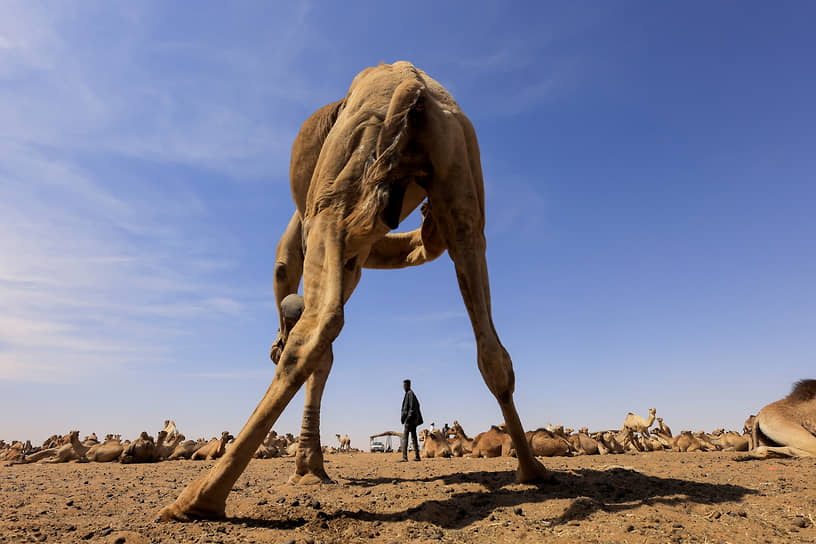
411, 418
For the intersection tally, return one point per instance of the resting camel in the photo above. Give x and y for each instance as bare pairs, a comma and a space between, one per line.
545, 443
582, 443
494, 442
787, 427
434, 444
663, 428
345, 443
72, 451
141, 449
186, 449
460, 444
110, 450
637, 424
359, 167
214, 448
730, 441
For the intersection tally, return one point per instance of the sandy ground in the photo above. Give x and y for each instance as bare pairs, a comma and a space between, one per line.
655, 497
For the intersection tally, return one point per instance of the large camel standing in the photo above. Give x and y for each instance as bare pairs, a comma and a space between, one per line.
345, 443
359, 167
637, 424
787, 427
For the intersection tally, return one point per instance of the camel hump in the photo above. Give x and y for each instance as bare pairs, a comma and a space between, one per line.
803, 391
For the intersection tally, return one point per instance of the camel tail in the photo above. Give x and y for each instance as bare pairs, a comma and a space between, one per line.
382, 196
803, 391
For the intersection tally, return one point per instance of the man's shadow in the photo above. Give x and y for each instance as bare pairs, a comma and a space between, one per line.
612, 490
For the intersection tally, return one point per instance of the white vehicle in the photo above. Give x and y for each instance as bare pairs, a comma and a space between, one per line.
377, 446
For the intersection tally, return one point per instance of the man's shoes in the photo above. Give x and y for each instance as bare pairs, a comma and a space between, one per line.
403, 460
417, 459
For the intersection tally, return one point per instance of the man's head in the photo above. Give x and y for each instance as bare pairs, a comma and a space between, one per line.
406, 384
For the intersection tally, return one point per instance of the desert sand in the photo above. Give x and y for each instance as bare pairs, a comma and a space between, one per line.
651, 497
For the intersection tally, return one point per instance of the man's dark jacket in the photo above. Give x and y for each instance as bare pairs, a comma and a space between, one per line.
410, 410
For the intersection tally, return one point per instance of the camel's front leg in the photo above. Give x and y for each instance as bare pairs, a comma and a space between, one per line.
309, 461
303, 354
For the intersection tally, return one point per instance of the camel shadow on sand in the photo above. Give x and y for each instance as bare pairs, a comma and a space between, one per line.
612, 490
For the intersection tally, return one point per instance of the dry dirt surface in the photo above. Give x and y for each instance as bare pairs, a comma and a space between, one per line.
656, 497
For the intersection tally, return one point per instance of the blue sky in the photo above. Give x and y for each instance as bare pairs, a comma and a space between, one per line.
650, 185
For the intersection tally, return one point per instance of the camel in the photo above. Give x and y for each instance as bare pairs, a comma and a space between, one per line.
637, 424
730, 441
494, 442
461, 443
345, 443
663, 428
686, 442
164, 448
90, 440
546, 443
434, 444
171, 429
141, 449
748, 426
72, 451
359, 167
787, 427
582, 444
214, 448
186, 449
110, 450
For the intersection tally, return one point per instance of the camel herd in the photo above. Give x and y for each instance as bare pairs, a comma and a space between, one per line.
783, 428
634, 436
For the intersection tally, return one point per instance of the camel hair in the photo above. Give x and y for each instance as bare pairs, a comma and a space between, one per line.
359, 167
637, 424
787, 427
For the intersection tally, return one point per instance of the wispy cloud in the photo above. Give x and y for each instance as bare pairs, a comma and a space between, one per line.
107, 260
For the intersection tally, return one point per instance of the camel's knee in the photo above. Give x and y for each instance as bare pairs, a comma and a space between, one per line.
497, 370
281, 271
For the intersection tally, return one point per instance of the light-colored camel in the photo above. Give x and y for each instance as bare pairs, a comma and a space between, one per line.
544, 443
461, 444
637, 424
73, 451
345, 443
90, 440
730, 441
434, 444
359, 167
171, 429
214, 448
787, 427
494, 443
686, 442
110, 450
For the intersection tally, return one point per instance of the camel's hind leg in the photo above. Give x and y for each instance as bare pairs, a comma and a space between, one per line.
325, 288
462, 228
309, 460
794, 440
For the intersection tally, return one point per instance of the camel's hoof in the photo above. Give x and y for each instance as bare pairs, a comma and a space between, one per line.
534, 474
176, 512
310, 478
